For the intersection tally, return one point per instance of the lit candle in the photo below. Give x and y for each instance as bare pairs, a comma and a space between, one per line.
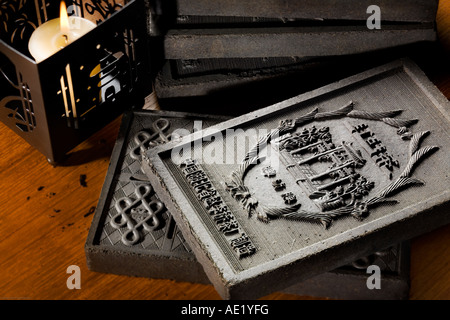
56, 34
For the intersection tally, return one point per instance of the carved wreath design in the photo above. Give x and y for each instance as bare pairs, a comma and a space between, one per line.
357, 208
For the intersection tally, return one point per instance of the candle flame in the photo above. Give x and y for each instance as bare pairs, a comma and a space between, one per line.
64, 19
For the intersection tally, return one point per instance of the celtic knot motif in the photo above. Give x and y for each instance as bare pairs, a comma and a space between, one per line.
135, 214
145, 140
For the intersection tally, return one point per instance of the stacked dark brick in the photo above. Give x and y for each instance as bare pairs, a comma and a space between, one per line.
225, 47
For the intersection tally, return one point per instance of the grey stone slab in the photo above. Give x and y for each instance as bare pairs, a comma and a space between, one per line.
195, 67
170, 84
290, 41
124, 238
163, 253
259, 78
221, 21
247, 90
363, 163
400, 10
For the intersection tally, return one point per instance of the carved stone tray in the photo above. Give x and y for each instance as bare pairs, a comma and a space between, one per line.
124, 238
398, 11
290, 41
163, 252
202, 84
285, 193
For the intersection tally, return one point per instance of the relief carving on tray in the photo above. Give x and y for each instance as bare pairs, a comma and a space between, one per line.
137, 213
141, 210
219, 213
344, 186
145, 140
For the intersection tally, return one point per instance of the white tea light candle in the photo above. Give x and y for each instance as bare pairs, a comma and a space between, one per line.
56, 34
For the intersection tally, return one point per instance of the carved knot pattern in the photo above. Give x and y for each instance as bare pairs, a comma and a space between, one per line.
145, 140
135, 214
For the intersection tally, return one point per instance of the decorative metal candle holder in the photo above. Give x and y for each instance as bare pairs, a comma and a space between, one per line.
57, 103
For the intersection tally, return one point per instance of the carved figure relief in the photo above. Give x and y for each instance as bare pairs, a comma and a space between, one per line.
342, 189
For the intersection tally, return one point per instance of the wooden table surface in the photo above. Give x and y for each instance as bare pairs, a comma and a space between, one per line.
45, 215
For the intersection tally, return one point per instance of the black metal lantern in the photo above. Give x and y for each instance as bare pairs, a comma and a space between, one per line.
58, 102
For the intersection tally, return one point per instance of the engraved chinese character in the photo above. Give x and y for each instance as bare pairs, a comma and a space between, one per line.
268, 172
278, 185
229, 227
206, 194
366, 135
360, 128
223, 217
241, 241
188, 163
289, 198
246, 250
372, 142
217, 209
243, 246
198, 178
386, 160
209, 202
191, 170
379, 151
203, 186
